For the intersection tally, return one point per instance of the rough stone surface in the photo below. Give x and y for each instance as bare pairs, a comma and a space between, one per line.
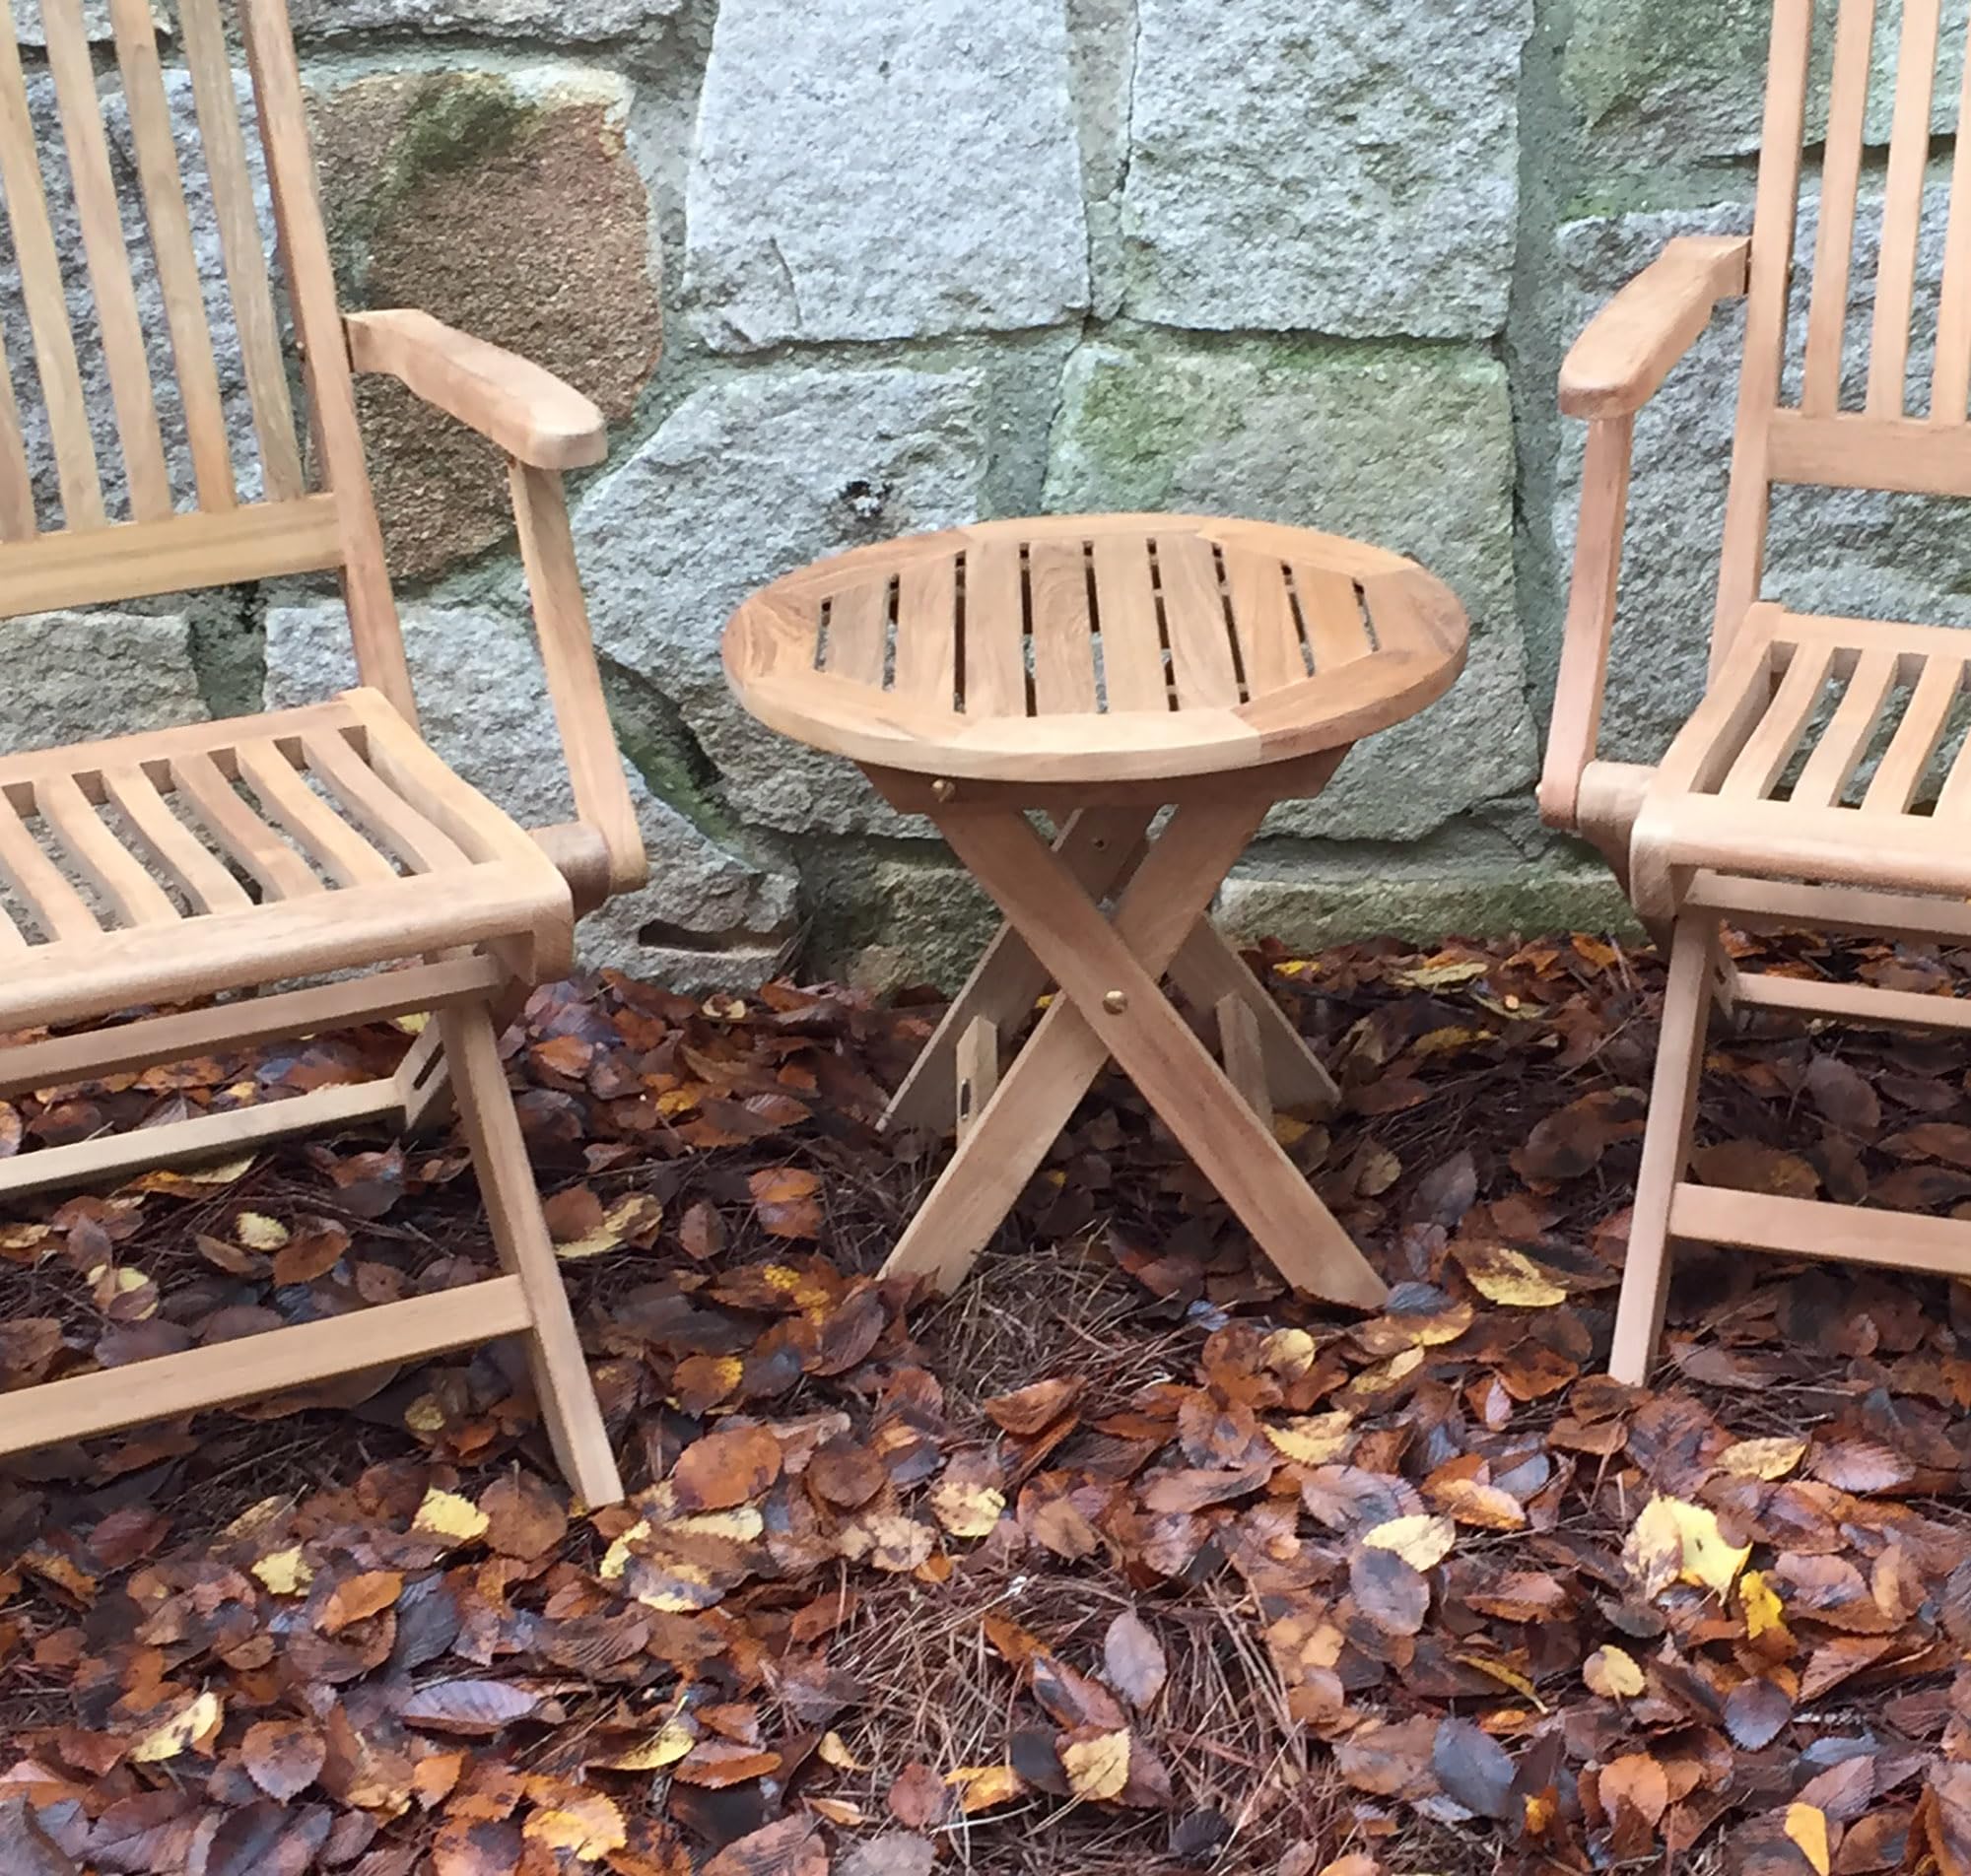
1678, 80
574, 20
510, 207
883, 171
108, 674
751, 477
1468, 879
709, 915
1411, 451
149, 306
1337, 166
1847, 552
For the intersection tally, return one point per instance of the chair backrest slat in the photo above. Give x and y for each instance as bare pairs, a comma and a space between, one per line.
1749, 507
1902, 220
108, 259
171, 244
17, 478
1839, 184
204, 38
44, 297
1901, 435
147, 308
1950, 392
366, 581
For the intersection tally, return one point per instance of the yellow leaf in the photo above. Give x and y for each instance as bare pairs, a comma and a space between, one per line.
839, 1812
424, 1415
1506, 1676
178, 1733
664, 1747
286, 1573
1098, 1768
1317, 1440
1674, 1541
448, 1516
263, 1511
1289, 1352
1806, 1825
1422, 1540
833, 1751
1290, 1132
1439, 977
257, 1232
587, 1827
1764, 1611
226, 1172
1612, 1673
981, 1787
1509, 1278
638, 1212
1767, 1459
967, 1510
414, 1023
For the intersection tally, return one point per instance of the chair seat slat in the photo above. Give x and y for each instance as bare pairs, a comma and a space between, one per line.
103, 858
202, 879
241, 833
1840, 752
424, 846
287, 799
58, 908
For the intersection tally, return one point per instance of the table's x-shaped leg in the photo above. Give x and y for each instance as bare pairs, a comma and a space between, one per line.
1111, 1004
1103, 847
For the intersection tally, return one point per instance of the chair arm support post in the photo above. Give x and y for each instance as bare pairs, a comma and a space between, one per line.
533, 415
567, 654
1590, 621
1635, 340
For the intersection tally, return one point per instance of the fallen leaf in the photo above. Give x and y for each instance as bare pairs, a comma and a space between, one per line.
1133, 1660
1097, 1766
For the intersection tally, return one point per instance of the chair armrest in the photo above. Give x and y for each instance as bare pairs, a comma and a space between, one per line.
1631, 346
1590, 621
533, 415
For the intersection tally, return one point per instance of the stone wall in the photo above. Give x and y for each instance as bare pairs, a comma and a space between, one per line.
836, 271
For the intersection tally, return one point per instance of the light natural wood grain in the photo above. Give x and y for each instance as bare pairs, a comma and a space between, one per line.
1840, 183
521, 1236
1844, 745
1854, 1002
978, 1068
1748, 506
575, 683
244, 1021
106, 259
1803, 1228
258, 326
100, 566
1666, 1148
221, 858
1914, 746
1902, 218
38, 266
533, 415
1244, 1061
1635, 342
85, 1405
1771, 746
1576, 728
172, 251
1174, 697
1951, 383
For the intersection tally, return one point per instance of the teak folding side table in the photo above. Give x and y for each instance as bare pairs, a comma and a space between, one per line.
1099, 669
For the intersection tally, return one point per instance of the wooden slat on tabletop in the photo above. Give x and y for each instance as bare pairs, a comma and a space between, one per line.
1132, 652
996, 655
1063, 640
1200, 642
1268, 634
927, 663
1330, 607
858, 631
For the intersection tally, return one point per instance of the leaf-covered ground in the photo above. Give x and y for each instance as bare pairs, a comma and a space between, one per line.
1120, 1559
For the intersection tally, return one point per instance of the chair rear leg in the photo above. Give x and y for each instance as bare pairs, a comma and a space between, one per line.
521, 1235
1667, 1145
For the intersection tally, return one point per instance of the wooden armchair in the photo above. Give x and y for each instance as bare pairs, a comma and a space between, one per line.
1807, 787
241, 859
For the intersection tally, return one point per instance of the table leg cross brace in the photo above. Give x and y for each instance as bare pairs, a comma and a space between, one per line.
1111, 1004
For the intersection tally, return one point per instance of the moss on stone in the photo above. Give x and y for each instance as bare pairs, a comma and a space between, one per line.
456, 119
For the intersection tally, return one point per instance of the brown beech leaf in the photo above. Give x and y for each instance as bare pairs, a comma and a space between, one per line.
1473, 1769
358, 1598
786, 1200
524, 1516
471, 1709
313, 1250
1756, 1712
25, 1848
792, 1847
1133, 1660
726, 1468
1636, 1781
1392, 1594
1027, 1410
283, 1756
918, 1798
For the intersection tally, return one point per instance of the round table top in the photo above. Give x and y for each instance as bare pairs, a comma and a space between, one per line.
1095, 648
